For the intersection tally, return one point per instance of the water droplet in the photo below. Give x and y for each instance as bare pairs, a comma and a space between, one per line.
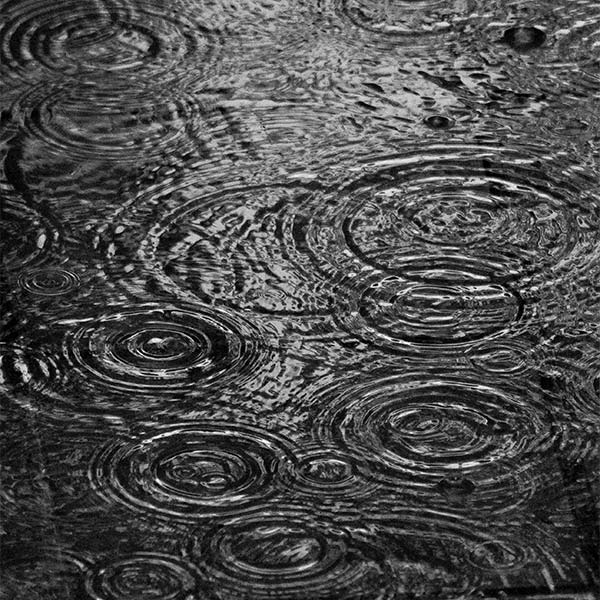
524, 38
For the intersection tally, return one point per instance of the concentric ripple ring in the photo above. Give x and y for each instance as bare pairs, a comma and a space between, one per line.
162, 349
142, 576
192, 471
288, 558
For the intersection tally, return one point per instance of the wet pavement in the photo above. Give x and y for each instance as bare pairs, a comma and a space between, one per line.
300, 299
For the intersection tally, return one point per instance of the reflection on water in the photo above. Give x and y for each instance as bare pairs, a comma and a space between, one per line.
300, 299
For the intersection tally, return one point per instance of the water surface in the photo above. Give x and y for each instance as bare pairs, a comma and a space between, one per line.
300, 299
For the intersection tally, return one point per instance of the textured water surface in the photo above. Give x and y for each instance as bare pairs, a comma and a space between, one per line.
300, 299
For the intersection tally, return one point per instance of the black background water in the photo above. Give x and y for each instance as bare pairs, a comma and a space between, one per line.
300, 299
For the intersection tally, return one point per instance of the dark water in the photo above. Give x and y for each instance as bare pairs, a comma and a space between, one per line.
300, 299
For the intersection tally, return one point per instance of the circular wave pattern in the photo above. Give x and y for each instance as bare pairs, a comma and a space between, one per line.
49, 282
75, 38
142, 576
45, 572
163, 350
502, 357
285, 557
257, 266
28, 369
326, 472
462, 214
27, 236
396, 313
499, 555
457, 437
192, 471
406, 19
112, 122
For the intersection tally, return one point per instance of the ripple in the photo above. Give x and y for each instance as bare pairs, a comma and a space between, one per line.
524, 38
457, 436
256, 266
113, 121
460, 214
102, 37
142, 576
27, 236
328, 473
398, 314
23, 368
573, 362
163, 350
499, 555
503, 357
41, 572
49, 282
192, 471
413, 22
285, 557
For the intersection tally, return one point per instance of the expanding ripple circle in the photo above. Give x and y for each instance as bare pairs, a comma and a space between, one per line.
326, 472
104, 37
192, 471
162, 350
257, 266
459, 214
286, 557
55, 570
111, 121
395, 313
459, 437
142, 576
49, 282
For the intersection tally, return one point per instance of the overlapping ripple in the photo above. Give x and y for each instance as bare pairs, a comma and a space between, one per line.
142, 576
162, 349
287, 557
460, 214
397, 314
27, 236
102, 37
113, 121
42, 572
191, 471
256, 265
452, 436
329, 474
410, 22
